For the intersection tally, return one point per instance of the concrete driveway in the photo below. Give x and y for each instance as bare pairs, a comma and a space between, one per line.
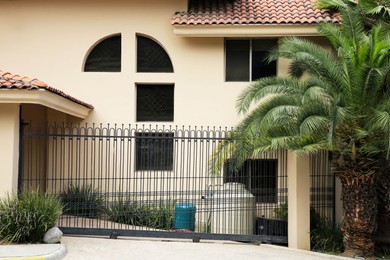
138, 248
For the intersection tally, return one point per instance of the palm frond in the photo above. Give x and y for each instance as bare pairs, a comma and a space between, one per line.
221, 155
315, 123
308, 144
380, 120
263, 89
308, 57
332, 4
376, 7
352, 24
380, 123
311, 148
333, 33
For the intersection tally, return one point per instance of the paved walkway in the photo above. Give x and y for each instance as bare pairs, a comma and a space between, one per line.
137, 248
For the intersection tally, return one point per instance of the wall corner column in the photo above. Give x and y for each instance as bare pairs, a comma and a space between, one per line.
298, 171
9, 148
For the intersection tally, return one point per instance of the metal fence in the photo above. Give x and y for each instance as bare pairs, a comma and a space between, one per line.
155, 181
322, 187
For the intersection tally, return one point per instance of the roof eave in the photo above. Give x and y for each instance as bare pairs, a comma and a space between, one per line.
44, 98
251, 30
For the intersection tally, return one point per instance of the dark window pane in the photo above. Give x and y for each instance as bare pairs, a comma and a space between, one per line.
232, 174
258, 175
154, 151
261, 68
237, 60
155, 103
151, 57
263, 176
105, 56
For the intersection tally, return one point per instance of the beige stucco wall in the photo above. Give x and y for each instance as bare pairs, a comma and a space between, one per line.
9, 148
56, 51
49, 40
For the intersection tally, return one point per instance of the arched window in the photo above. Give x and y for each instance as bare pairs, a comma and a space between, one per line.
105, 56
151, 57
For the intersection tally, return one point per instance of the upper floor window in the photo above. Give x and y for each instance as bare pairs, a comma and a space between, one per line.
244, 59
151, 57
105, 56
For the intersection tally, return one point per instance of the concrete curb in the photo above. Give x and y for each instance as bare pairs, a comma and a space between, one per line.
33, 252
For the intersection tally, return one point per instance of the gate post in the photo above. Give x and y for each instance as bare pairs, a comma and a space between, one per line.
9, 148
298, 174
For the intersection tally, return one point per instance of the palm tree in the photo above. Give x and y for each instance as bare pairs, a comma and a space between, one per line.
374, 12
337, 102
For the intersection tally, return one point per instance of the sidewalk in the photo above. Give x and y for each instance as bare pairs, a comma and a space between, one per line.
33, 252
149, 248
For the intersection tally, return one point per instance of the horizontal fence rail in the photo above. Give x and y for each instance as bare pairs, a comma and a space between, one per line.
160, 181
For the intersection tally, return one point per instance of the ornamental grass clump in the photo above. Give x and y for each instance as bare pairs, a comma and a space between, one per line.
83, 201
325, 235
27, 217
154, 215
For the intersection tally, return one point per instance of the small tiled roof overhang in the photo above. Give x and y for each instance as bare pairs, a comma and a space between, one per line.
36, 91
246, 13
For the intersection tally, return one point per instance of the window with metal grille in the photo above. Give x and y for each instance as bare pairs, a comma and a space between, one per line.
151, 57
244, 59
258, 175
155, 103
105, 56
154, 151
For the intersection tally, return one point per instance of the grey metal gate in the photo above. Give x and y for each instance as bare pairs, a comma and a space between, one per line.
155, 181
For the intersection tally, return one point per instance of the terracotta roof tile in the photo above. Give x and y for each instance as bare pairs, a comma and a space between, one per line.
207, 12
13, 81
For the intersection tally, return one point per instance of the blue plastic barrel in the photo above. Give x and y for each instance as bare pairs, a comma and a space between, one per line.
185, 216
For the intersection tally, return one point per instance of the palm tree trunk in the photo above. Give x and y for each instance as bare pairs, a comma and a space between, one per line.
360, 204
384, 201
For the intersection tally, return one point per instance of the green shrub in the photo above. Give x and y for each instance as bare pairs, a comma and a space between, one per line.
82, 201
128, 211
27, 217
325, 236
281, 212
